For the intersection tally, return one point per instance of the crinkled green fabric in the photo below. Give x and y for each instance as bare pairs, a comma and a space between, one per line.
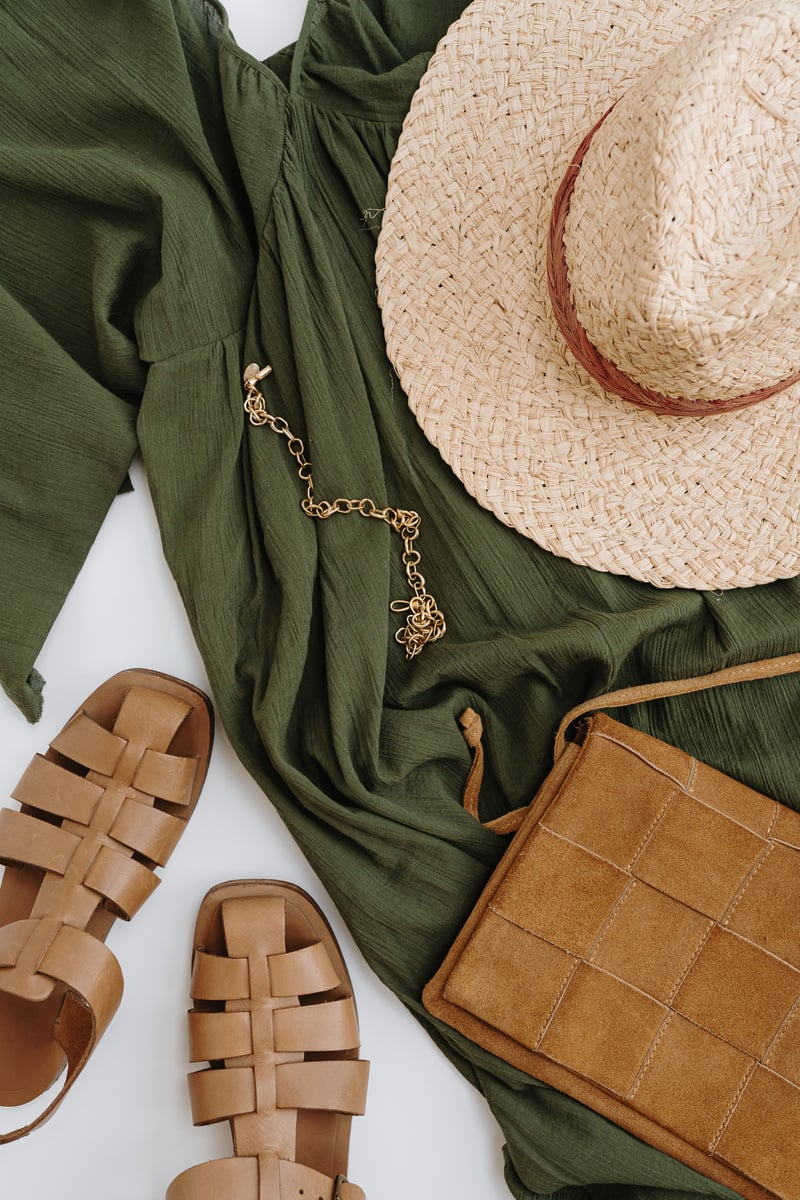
172, 209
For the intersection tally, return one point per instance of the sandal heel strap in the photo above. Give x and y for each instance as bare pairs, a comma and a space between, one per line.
45, 952
35, 955
222, 1177
241, 1178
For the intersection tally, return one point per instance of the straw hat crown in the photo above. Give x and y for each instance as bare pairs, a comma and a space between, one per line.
683, 234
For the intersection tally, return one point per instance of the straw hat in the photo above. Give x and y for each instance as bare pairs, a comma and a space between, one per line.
644, 419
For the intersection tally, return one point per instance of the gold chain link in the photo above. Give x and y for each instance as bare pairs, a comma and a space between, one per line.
425, 622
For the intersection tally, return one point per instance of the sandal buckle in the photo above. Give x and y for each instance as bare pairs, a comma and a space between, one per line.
337, 1187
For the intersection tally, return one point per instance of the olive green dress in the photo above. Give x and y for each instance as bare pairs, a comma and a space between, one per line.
172, 209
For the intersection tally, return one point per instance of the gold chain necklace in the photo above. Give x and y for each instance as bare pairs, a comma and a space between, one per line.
425, 622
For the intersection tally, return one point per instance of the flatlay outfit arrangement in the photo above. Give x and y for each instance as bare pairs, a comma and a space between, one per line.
211, 302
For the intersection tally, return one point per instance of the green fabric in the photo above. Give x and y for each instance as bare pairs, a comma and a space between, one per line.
171, 210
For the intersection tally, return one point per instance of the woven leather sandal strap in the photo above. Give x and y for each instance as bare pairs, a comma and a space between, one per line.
339, 1086
123, 883
217, 1035
90, 745
313, 1028
120, 881
215, 977
49, 788
241, 1178
302, 972
216, 1094
135, 751
309, 1028
150, 716
110, 821
29, 841
763, 669
35, 955
167, 776
148, 831
53, 789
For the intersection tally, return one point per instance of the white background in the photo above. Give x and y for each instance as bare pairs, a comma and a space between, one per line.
125, 1129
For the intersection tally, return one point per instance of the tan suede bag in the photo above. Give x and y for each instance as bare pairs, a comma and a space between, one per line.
638, 945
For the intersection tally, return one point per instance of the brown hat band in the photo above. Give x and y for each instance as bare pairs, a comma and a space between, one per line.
609, 376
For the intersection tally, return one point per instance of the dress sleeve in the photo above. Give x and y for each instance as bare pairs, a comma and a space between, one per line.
65, 444
107, 137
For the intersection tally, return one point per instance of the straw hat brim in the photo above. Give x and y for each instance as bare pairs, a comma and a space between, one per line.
677, 501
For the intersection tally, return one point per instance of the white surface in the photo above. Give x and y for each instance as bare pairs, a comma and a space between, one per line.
125, 1129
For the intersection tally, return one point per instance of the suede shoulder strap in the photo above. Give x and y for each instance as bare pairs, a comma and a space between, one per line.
472, 726
762, 669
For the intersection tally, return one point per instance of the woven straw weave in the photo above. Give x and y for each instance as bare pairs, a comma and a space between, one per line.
699, 502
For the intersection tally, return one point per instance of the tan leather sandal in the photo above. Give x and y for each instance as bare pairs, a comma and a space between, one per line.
105, 805
274, 1017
